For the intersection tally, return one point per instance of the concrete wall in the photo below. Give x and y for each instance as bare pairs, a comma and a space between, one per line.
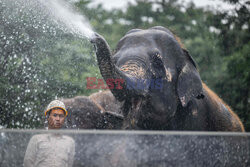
138, 148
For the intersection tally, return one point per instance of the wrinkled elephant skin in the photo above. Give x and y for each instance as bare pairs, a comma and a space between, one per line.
162, 89
87, 113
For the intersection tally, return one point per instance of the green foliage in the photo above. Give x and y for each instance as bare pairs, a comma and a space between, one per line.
234, 86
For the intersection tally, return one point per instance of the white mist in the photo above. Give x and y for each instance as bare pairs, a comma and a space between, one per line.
64, 13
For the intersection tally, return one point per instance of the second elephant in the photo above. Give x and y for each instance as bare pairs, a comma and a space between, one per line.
84, 113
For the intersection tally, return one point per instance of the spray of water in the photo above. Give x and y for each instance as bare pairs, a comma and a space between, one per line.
64, 14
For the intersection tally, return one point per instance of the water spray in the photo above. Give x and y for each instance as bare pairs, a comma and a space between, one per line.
63, 13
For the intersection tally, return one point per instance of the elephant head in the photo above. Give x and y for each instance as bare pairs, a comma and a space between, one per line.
84, 113
158, 76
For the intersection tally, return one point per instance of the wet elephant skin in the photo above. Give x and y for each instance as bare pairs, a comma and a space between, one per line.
161, 88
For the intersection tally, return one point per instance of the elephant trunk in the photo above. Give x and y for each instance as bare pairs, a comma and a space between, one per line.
110, 73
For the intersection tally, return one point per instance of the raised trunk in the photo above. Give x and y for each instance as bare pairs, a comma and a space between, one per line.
108, 70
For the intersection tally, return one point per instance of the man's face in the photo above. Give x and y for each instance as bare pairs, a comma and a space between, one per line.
56, 119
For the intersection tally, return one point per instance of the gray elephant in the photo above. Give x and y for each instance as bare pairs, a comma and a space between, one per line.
158, 82
84, 113
107, 102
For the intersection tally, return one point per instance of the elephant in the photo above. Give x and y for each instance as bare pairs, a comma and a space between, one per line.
85, 113
158, 83
107, 102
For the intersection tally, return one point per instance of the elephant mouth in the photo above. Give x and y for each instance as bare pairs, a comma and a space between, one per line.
134, 114
139, 118
136, 104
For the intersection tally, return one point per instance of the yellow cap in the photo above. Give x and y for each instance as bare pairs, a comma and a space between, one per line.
56, 104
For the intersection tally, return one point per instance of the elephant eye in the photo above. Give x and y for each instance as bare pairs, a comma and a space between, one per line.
157, 66
156, 58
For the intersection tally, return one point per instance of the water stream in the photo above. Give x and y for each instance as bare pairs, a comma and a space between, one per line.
64, 13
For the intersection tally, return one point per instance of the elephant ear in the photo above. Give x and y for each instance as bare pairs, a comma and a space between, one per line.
189, 83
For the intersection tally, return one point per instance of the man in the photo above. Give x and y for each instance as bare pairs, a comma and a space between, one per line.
51, 149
